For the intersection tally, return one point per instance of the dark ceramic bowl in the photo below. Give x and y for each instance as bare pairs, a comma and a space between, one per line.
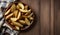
26, 27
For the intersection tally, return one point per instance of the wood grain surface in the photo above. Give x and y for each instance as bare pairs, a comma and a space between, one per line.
47, 17
57, 17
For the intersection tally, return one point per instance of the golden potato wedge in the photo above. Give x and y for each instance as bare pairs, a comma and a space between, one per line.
17, 24
26, 7
24, 16
19, 15
22, 21
25, 11
13, 7
21, 5
27, 21
8, 16
14, 19
16, 13
7, 12
17, 27
30, 15
31, 18
18, 7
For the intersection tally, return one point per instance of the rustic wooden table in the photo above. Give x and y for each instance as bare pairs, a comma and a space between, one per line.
47, 17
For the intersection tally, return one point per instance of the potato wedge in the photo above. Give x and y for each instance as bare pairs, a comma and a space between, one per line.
21, 5
13, 7
31, 18
30, 15
24, 16
17, 27
19, 15
25, 11
14, 19
18, 7
16, 13
27, 14
26, 7
27, 21
17, 24
22, 21
8, 16
7, 12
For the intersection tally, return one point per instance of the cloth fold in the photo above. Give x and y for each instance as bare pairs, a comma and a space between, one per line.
4, 3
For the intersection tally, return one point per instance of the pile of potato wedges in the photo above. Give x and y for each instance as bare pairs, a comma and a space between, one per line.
19, 16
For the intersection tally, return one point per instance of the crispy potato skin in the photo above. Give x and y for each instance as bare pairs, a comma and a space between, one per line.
26, 7
13, 8
27, 21
25, 11
17, 24
17, 27
7, 12
22, 21
13, 19
7, 17
16, 13
21, 6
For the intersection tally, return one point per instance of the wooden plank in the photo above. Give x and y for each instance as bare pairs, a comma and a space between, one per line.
52, 17
45, 17
57, 17
35, 7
